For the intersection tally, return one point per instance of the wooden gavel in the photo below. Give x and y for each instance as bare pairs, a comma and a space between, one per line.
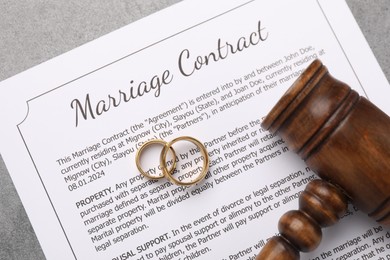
345, 140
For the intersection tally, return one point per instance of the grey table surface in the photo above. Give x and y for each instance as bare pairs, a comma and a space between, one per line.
34, 31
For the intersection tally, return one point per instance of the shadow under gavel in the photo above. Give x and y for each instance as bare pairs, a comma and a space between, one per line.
345, 140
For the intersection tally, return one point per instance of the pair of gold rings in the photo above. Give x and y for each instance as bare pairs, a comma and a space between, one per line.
168, 172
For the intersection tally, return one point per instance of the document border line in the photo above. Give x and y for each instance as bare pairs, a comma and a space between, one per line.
93, 71
138, 51
342, 48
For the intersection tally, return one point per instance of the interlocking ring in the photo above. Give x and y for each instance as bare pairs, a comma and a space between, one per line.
168, 172
138, 158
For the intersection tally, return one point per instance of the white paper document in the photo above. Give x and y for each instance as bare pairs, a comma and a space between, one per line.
207, 69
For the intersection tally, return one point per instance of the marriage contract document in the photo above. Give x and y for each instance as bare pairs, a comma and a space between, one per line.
207, 69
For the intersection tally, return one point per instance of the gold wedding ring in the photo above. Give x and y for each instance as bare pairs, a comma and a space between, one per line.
138, 158
169, 175
168, 172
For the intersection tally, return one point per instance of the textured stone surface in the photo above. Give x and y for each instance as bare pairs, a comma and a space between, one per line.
32, 32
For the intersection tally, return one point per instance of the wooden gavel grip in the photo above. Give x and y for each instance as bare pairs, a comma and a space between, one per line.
321, 204
345, 140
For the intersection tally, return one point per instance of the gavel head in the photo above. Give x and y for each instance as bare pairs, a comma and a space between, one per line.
342, 137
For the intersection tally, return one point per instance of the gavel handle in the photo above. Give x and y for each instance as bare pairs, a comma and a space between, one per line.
321, 204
